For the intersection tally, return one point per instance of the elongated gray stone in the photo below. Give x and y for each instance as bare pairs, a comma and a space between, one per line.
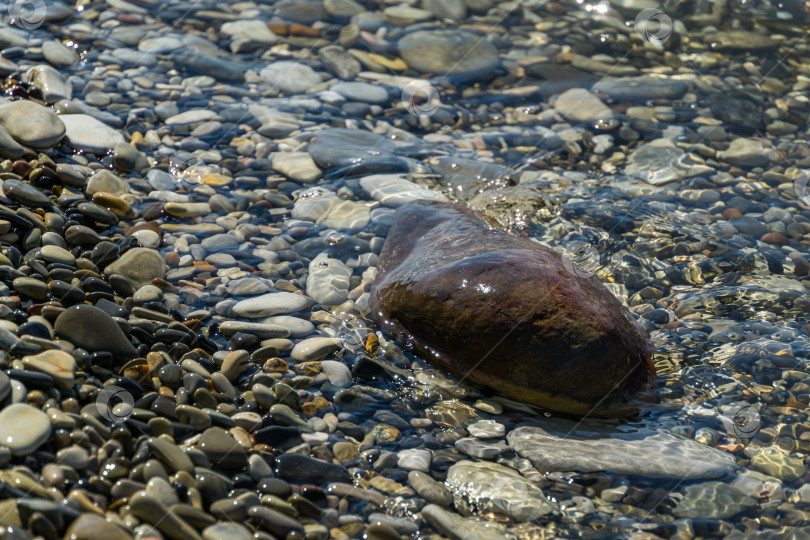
260, 330
563, 445
270, 304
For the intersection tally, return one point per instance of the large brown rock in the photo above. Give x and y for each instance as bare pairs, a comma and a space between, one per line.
507, 313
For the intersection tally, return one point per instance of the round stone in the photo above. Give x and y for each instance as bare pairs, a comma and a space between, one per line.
139, 266
290, 77
23, 428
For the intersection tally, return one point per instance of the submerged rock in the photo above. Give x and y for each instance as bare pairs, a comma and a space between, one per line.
588, 446
506, 312
495, 488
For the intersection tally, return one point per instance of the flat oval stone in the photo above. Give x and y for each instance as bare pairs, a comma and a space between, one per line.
260, 330
227, 531
31, 124
139, 266
57, 254
270, 304
87, 133
31, 287
314, 348
304, 469
454, 285
23, 428
187, 209
92, 329
25, 194
298, 327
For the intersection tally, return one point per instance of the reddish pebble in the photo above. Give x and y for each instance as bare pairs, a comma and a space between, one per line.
172, 258
21, 167
800, 265
729, 213
774, 237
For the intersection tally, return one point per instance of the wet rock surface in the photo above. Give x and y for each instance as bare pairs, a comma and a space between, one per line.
562, 445
453, 286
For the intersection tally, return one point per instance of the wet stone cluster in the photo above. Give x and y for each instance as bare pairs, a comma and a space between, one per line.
194, 199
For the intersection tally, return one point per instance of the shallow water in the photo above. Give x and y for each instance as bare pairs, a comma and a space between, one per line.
682, 190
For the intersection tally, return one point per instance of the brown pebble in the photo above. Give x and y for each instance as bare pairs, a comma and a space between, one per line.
276, 364
801, 266
309, 409
172, 258
146, 226
21, 167
729, 213
36, 398
774, 237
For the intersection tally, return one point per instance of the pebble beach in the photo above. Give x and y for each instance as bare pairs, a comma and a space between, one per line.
194, 197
